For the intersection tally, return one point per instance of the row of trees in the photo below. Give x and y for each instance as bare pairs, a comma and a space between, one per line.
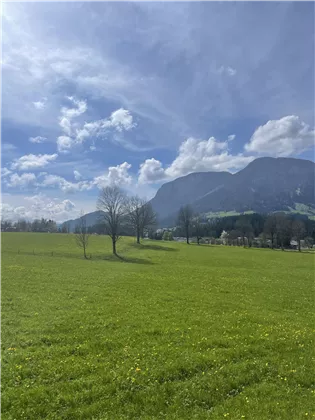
118, 212
280, 228
22, 225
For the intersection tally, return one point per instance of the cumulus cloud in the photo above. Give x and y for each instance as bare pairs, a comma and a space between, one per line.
27, 162
64, 185
227, 70
66, 124
37, 139
21, 181
194, 156
53, 208
5, 172
64, 143
119, 120
39, 206
231, 137
80, 107
11, 213
77, 175
116, 175
40, 104
151, 171
284, 137
74, 133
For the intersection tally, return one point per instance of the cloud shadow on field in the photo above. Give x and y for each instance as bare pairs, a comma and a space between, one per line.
154, 247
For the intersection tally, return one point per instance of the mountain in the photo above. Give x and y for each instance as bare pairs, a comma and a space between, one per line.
186, 190
265, 185
91, 219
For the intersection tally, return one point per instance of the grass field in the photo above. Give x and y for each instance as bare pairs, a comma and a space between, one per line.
169, 332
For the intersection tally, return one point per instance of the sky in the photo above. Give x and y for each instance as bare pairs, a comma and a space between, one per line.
138, 94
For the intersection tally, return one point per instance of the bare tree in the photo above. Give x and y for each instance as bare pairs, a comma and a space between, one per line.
197, 228
185, 218
112, 202
270, 228
233, 236
309, 241
148, 218
298, 231
140, 215
282, 228
246, 230
81, 234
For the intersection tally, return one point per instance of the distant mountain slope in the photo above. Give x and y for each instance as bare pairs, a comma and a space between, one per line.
265, 185
187, 189
91, 219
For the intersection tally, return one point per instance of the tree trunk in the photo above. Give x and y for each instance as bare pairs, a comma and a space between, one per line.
244, 243
138, 237
198, 240
187, 237
114, 246
299, 244
84, 251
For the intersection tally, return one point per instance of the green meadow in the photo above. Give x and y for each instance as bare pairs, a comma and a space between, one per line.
168, 331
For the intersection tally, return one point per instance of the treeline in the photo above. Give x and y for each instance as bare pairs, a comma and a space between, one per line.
22, 225
276, 230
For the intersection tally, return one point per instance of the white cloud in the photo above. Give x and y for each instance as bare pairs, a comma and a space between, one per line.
67, 115
194, 156
8, 212
65, 124
5, 172
64, 185
64, 143
27, 162
114, 175
37, 139
284, 137
229, 71
39, 206
40, 104
19, 181
77, 175
80, 108
74, 134
117, 175
151, 171
231, 137
119, 120
205, 155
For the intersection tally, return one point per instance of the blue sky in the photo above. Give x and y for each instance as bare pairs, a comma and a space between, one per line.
137, 94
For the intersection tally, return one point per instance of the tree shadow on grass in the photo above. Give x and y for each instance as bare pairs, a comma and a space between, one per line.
133, 260
90, 256
120, 258
154, 247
